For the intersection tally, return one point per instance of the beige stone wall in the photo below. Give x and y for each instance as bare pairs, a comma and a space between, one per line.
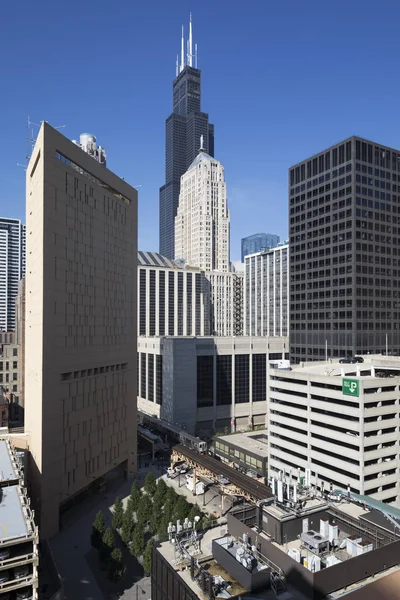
80, 359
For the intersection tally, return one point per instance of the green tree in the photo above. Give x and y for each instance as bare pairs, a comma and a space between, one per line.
138, 544
107, 544
170, 502
156, 515
161, 491
150, 484
136, 494
194, 512
206, 522
147, 557
128, 523
144, 510
181, 509
98, 529
115, 566
162, 530
118, 514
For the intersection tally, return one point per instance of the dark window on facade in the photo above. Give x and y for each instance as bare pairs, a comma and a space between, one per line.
150, 371
241, 378
259, 378
198, 303
143, 375
171, 303
188, 304
161, 300
224, 379
137, 373
142, 295
180, 303
152, 303
205, 381
159, 380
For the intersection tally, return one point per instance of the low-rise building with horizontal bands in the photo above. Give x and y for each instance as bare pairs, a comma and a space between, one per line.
338, 424
19, 536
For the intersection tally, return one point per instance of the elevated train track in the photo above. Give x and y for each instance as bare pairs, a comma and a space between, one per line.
241, 484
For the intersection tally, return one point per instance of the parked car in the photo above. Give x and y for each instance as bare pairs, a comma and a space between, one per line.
348, 360
4, 553
4, 576
359, 359
223, 480
20, 572
24, 594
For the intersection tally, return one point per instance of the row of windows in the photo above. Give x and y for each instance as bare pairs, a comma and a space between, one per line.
205, 379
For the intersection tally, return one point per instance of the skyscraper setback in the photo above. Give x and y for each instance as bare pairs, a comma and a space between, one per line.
183, 129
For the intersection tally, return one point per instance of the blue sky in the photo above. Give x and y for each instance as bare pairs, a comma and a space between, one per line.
281, 81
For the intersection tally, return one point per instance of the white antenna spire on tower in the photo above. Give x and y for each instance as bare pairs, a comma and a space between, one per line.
182, 52
202, 143
195, 56
190, 52
177, 65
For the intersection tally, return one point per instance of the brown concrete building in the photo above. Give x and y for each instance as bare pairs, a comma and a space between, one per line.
80, 336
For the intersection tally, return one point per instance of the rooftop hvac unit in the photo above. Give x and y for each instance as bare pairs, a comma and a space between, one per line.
295, 554
351, 545
333, 534
324, 527
332, 560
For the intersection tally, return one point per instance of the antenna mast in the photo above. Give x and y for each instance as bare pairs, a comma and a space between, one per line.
190, 49
182, 52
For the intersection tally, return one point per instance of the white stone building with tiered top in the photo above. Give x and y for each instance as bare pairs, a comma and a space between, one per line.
202, 223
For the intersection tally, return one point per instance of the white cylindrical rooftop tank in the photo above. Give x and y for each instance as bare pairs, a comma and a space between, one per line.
87, 138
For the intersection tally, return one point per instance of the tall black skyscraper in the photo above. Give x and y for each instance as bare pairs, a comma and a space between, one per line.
345, 252
183, 129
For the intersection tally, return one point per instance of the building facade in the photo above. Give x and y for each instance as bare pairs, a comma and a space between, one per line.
202, 223
206, 384
12, 268
183, 129
258, 242
266, 292
226, 292
340, 422
344, 251
171, 300
80, 336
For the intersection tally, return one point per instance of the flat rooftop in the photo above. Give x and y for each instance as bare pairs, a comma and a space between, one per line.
251, 440
376, 367
310, 505
15, 522
8, 467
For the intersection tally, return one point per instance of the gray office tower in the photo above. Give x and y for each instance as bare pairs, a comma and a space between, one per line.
183, 129
344, 247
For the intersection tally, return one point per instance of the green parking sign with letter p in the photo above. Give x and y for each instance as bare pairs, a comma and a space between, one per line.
350, 387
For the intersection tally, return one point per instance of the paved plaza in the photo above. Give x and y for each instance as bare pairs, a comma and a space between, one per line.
77, 562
